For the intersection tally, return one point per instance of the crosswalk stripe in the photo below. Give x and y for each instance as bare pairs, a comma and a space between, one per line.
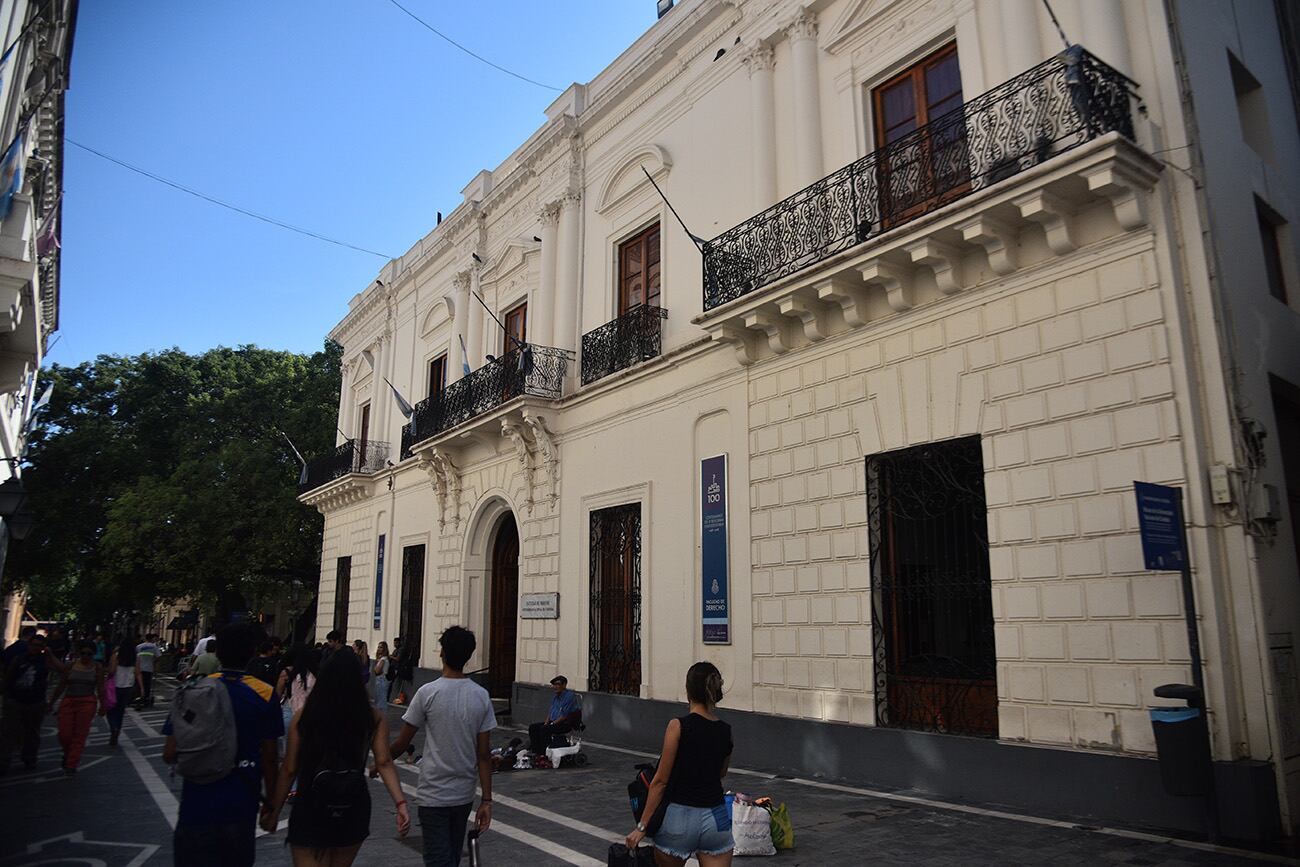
158, 790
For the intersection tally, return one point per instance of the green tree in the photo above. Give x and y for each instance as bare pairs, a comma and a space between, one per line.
161, 476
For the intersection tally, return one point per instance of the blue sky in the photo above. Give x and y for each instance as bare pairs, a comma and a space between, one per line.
344, 117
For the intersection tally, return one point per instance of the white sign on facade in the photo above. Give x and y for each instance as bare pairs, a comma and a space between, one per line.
539, 606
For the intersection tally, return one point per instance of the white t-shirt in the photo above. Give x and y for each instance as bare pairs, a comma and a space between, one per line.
124, 676
453, 711
146, 653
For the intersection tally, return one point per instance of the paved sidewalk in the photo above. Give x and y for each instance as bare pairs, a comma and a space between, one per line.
118, 811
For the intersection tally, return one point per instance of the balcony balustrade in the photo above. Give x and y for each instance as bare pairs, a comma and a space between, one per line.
533, 370
1065, 102
351, 457
634, 337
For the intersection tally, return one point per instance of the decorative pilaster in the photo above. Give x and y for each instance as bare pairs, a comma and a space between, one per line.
477, 319
542, 320
802, 32
515, 433
761, 61
460, 282
566, 306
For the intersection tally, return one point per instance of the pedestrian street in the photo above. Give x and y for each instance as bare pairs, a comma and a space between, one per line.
119, 810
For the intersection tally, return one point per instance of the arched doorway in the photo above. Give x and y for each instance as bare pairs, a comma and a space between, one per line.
503, 603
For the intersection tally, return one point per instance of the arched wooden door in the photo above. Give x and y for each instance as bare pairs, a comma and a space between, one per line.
503, 621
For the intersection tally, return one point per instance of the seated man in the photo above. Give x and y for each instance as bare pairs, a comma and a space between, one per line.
564, 715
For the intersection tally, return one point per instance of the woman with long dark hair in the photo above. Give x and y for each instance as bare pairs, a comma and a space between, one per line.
296, 681
696, 753
328, 743
124, 668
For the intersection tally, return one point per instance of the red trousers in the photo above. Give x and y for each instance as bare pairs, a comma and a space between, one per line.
75, 717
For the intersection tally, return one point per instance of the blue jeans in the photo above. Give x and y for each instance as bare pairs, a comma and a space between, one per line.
229, 845
444, 834
125, 694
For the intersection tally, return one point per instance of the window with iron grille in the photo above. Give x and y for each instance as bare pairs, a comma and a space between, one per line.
615, 639
932, 601
410, 619
342, 590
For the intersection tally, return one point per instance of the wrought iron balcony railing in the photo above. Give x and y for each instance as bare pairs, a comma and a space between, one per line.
534, 370
1058, 105
352, 457
631, 338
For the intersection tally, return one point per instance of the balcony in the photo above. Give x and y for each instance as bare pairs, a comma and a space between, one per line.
352, 457
536, 371
634, 337
1057, 106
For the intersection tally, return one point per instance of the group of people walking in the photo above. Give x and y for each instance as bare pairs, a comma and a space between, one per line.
89, 682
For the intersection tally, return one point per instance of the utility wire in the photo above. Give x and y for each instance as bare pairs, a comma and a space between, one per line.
184, 189
477, 57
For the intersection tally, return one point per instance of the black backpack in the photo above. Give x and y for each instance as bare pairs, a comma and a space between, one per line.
638, 792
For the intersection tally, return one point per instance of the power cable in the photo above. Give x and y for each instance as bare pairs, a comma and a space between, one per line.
477, 57
184, 189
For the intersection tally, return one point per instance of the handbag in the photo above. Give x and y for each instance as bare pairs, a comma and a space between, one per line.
621, 856
638, 792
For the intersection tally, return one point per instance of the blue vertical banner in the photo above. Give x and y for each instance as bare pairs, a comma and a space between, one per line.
1160, 523
713, 550
379, 582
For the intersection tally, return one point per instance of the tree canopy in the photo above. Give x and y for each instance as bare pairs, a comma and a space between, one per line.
164, 475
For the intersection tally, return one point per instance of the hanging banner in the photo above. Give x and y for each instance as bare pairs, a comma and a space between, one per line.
379, 582
713, 550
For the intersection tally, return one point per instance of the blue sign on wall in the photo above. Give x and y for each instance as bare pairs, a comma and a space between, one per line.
713, 550
379, 582
1160, 521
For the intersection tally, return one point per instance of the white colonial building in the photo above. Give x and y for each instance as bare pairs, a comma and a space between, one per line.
34, 65
871, 448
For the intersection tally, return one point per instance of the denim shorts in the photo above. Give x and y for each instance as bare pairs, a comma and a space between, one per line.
687, 831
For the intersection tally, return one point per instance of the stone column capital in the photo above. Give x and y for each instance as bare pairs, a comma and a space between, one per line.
804, 25
460, 280
549, 214
759, 58
570, 199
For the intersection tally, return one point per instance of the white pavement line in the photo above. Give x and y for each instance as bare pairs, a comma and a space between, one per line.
140, 723
982, 811
162, 795
553, 849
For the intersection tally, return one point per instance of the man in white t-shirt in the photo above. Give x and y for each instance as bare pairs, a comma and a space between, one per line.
145, 653
459, 717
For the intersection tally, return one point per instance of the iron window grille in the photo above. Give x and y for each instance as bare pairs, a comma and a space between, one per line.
931, 589
342, 593
1060, 104
614, 660
634, 337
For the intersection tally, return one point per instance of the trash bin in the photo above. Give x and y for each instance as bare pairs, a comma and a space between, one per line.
1182, 742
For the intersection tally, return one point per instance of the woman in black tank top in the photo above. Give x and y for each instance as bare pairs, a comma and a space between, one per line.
696, 753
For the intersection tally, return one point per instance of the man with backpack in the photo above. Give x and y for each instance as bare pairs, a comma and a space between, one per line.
222, 735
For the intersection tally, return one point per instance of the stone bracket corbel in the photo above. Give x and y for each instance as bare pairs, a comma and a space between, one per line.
1000, 241
774, 327
515, 433
810, 313
1127, 188
1054, 215
894, 278
445, 478
742, 340
545, 443
849, 294
943, 259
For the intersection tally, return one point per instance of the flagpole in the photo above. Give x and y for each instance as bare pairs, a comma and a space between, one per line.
699, 242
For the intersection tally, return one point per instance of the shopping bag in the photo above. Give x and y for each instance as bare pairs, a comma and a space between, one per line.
751, 827
110, 694
782, 828
621, 856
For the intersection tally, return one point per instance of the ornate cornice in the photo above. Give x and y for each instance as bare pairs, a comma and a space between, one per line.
338, 494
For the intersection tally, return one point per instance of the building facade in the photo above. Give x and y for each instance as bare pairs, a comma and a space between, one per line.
37, 53
871, 448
